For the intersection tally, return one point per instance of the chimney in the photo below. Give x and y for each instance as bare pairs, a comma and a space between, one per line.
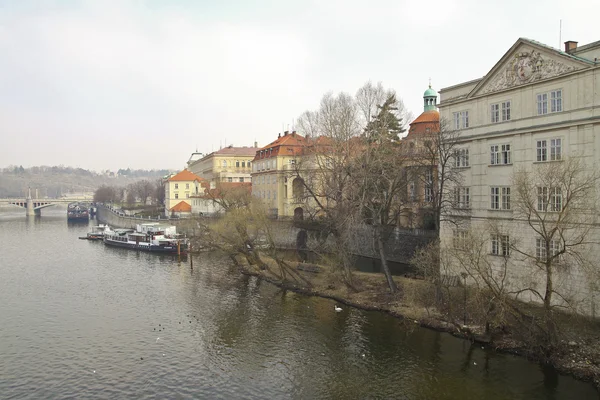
278, 135
570, 46
286, 133
293, 132
255, 144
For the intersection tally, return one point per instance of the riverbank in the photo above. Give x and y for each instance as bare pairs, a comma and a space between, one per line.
580, 356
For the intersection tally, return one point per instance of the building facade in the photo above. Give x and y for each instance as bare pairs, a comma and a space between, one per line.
179, 188
534, 110
274, 177
230, 164
420, 164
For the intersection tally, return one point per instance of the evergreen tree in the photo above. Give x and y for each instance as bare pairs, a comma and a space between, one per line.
387, 125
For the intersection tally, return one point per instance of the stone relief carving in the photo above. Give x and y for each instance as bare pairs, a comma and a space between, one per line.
526, 67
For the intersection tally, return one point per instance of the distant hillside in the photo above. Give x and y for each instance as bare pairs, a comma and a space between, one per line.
59, 180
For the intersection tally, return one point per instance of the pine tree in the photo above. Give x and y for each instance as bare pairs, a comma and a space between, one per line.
386, 126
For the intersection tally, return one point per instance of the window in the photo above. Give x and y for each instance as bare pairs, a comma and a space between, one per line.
187, 185
495, 113
274, 195
461, 119
555, 102
500, 198
462, 197
249, 163
500, 154
506, 111
292, 162
187, 195
542, 103
494, 155
549, 199
429, 186
541, 252
542, 151
177, 186
412, 191
241, 179
230, 179
176, 195
268, 194
555, 149
500, 245
500, 112
459, 239
461, 158
244, 164
224, 164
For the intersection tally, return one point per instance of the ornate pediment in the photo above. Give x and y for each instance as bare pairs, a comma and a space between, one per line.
525, 66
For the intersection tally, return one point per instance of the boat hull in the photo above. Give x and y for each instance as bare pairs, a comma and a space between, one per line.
147, 247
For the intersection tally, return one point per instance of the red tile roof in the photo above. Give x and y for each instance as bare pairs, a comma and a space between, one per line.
185, 175
182, 206
288, 144
427, 122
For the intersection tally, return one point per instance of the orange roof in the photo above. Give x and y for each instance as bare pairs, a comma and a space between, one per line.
185, 175
288, 144
427, 122
182, 206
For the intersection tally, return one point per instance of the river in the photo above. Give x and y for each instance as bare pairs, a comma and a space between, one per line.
80, 320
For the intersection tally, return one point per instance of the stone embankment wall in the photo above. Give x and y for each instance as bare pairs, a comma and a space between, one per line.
399, 247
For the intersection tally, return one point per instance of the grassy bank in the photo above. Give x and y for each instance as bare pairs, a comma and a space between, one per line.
578, 354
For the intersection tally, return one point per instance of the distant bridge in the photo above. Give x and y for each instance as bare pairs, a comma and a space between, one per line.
34, 206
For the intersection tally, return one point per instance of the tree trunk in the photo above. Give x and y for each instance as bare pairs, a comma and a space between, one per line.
384, 264
549, 285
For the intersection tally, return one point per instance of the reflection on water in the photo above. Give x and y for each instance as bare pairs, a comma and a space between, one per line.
86, 321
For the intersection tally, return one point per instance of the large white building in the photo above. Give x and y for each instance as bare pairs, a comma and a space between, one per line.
538, 106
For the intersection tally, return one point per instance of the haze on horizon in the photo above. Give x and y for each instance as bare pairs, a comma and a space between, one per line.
142, 84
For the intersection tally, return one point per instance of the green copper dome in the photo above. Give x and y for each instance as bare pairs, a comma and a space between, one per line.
430, 93
430, 99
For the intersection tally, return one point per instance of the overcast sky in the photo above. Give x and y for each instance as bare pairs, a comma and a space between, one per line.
142, 84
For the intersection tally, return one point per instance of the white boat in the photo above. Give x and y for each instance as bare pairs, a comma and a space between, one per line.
97, 232
152, 237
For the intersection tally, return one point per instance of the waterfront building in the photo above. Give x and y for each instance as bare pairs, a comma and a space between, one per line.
273, 170
536, 108
179, 188
421, 164
230, 164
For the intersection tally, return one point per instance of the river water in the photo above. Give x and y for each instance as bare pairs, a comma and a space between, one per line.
80, 320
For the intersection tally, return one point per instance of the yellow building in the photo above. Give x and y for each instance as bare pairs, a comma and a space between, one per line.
179, 188
275, 177
231, 164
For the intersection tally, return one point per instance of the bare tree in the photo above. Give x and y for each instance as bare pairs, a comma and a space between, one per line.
143, 189
558, 203
436, 162
324, 172
380, 185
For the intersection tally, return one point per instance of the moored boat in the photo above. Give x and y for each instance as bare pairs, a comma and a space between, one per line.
97, 232
152, 237
77, 212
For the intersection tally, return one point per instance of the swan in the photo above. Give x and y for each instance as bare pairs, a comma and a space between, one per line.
336, 308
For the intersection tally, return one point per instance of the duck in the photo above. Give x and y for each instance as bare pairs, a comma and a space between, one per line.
336, 308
